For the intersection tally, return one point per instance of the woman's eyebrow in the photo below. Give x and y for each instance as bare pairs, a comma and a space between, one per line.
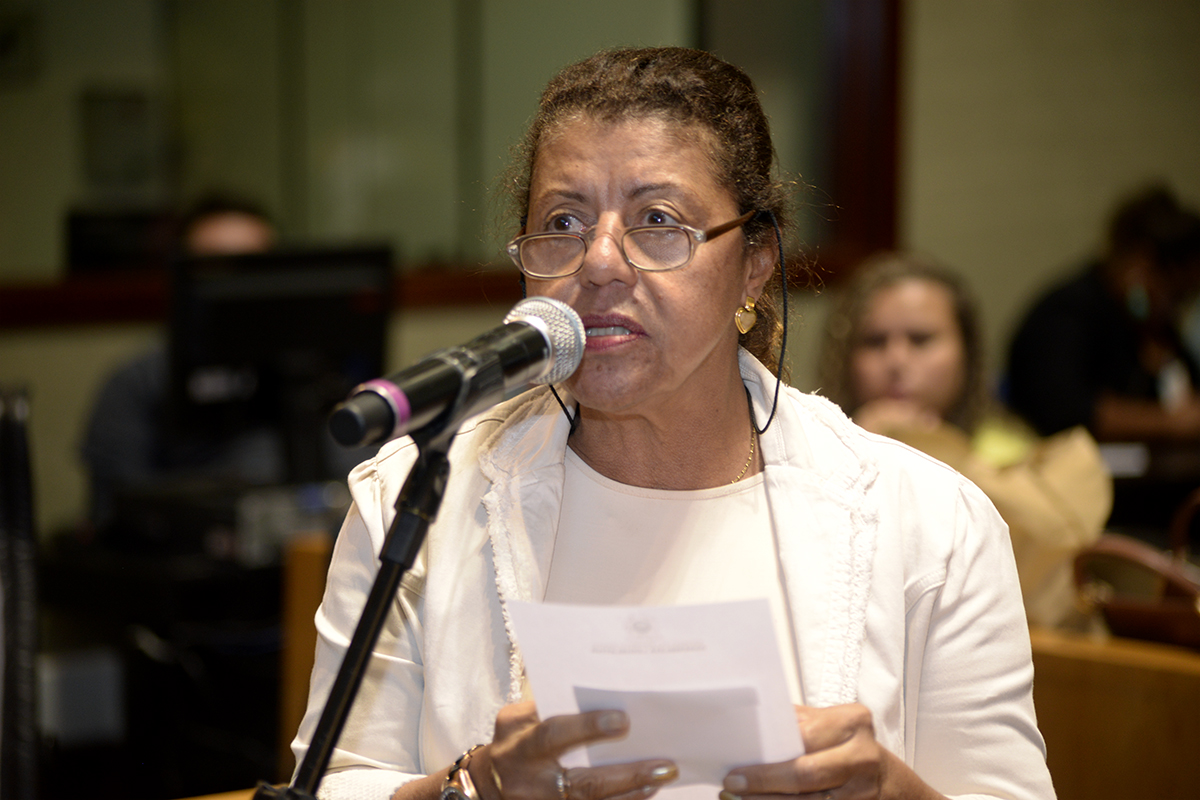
653, 188
564, 194
637, 192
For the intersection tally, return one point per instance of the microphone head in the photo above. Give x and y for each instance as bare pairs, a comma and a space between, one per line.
563, 330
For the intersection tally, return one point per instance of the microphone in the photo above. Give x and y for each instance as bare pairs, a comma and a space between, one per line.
541, 341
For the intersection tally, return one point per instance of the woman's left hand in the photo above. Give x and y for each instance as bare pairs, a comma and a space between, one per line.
842, 760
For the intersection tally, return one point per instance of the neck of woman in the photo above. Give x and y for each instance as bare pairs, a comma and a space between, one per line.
710, 444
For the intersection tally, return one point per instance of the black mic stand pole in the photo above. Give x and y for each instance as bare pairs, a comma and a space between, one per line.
416, 508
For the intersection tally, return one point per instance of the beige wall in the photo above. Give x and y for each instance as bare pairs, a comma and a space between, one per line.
1023, 120
371, 133
113, 45
62, 370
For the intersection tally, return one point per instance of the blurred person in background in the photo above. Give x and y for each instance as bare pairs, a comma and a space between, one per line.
126, 446
903, 355
1103, 349
219, 225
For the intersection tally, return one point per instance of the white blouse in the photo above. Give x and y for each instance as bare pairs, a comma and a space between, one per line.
626, 545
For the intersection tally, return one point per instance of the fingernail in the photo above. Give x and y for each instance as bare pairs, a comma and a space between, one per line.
735, 783
612, 722
724, 795
664, 774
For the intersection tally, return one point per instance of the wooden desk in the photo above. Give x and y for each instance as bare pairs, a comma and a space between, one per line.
1121, 717
305, 562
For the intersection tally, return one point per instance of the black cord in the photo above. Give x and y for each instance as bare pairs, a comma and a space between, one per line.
783, 339
574, 421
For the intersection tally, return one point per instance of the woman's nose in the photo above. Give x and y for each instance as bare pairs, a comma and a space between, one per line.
897, 355
604, 262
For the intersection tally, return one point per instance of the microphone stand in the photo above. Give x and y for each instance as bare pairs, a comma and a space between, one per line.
416, 508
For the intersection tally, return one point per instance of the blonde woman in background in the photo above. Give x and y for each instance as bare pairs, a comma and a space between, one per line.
903, 356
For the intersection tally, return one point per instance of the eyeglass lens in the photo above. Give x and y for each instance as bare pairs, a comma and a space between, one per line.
551, 255
657, 248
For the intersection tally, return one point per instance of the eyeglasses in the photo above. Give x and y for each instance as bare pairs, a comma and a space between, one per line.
650, 248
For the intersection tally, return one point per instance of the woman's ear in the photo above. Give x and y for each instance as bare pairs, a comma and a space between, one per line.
761, 266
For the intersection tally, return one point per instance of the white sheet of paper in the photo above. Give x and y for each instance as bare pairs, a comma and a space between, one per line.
703, 685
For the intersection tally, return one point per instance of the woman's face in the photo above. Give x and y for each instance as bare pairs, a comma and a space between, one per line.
909, 347
654, 340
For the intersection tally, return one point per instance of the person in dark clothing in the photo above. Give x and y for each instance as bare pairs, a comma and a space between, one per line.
1102, 349
124, 444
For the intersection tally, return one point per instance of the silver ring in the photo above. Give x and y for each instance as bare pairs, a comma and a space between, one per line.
563, 783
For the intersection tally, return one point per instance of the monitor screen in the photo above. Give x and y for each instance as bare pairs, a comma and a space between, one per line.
275, 340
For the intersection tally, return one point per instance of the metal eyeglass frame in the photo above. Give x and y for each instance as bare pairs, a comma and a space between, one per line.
695, 238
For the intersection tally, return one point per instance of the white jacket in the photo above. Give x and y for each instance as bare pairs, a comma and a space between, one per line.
898, 573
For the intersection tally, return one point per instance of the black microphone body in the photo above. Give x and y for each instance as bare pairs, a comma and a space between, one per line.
541, 341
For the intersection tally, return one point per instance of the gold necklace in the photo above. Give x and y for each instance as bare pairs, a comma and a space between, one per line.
750, 460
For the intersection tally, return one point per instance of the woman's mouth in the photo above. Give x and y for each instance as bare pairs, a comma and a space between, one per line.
615, 330
608, 331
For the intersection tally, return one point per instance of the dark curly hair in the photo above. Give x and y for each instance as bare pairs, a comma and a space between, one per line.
695, 89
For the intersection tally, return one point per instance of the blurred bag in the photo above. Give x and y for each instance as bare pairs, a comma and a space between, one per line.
1055, 494
1141, 591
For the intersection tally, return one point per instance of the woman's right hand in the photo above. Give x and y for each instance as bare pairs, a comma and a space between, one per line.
521, 763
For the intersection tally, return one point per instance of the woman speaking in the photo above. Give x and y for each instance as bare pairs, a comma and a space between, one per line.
673, 468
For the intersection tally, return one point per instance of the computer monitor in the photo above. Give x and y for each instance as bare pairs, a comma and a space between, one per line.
274, 340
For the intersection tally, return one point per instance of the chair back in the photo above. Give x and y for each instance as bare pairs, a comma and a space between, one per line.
18, 620
1144, 592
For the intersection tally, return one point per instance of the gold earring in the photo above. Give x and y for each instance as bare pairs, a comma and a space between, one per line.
746, 316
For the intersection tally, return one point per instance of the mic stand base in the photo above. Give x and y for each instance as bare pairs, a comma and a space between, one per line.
266, 791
